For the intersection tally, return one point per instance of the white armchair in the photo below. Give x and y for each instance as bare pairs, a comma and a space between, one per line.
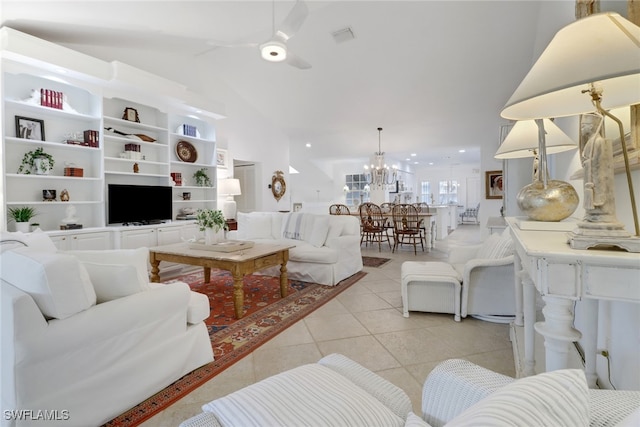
337, 391
487, 278
476, 280
84, 332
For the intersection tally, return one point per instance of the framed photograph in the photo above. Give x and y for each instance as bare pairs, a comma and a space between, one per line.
297, 207
131, 114
222, 161
494, 187
28, 128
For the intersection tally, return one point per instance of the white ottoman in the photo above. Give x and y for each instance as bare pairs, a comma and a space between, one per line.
431, 287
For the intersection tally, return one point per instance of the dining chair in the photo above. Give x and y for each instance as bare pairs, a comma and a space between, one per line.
386, 208
373, 225
423, 207
339, 209
406, 227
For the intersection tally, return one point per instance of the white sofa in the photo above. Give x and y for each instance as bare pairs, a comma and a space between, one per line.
337, 391
327, 247
86, 336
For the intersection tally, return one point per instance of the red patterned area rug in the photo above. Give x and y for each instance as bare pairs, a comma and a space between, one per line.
266, 315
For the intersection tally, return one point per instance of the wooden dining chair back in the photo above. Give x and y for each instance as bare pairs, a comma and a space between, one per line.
406, 227
338, 209
372, 224
423, 207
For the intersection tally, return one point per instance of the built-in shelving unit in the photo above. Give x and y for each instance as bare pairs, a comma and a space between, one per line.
96, 94
21, 93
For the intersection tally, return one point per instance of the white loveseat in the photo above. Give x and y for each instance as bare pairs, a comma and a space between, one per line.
327, 247
337, 391
85, 336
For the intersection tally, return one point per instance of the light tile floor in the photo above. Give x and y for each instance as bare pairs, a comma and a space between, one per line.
365, 323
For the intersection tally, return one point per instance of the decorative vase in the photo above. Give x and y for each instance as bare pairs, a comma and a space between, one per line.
42, 166
213, 236
23, 227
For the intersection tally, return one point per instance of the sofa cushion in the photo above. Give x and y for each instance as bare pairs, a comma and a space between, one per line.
57, 282
113, 281
254, 225
557, 398
312, 395
306, 252
139, 258
320, 229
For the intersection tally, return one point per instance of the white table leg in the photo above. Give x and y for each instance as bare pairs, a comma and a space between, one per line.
557, 330
590, 340
517, 268
529, 307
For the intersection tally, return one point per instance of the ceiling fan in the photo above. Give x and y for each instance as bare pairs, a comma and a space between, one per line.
275, 49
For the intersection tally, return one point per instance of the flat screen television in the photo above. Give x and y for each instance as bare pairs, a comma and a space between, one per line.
139, 204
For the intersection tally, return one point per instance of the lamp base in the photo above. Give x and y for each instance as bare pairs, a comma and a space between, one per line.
555, 202
229, 209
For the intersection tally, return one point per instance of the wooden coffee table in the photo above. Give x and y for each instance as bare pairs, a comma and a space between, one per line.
239, 263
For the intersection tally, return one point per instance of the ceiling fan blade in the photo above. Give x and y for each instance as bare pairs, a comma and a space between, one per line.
296, 61
216, 43
293, 21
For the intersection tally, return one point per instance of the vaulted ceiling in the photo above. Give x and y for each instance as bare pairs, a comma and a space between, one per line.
433, 74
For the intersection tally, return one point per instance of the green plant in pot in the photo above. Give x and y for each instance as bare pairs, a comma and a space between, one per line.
37, 161
202, 178
22, 216
212, 222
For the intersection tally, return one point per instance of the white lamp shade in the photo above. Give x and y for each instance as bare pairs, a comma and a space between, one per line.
602, 48
522, 140
229, 187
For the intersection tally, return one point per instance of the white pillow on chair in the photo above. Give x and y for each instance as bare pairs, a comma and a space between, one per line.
556, 398
113, 281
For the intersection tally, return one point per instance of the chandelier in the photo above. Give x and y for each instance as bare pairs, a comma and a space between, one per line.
379, 174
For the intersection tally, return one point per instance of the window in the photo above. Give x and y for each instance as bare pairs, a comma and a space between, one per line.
425, 192
356, 193
448, 192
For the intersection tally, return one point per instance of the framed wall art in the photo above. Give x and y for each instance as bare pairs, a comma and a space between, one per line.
28, 128
222, 160
494, 186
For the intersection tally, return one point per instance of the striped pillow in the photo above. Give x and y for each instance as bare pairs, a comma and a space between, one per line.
503, 247
311, 395
557, 398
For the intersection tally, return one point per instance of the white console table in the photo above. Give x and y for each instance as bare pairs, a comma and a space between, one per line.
545, 262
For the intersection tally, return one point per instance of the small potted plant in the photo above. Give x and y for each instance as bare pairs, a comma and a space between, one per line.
38, 161
213, 224
202, 179
22, 216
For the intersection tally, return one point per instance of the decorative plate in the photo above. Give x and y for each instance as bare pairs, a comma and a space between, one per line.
186, 152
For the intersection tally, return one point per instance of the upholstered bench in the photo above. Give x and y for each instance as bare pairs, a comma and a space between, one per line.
432, 287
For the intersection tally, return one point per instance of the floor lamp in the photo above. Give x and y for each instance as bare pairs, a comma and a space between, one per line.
545, 199
229, 187
590, 66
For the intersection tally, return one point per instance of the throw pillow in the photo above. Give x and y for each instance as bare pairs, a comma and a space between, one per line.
40, 240
488, 246
502, 248
319, 230
113, 281
255, 225
58, 283
557, 398
139, 258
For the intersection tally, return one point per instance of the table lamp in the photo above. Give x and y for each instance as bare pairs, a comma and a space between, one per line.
544, 199
590, 66
229, 187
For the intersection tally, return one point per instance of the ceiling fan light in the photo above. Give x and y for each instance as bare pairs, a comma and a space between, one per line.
273, 51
